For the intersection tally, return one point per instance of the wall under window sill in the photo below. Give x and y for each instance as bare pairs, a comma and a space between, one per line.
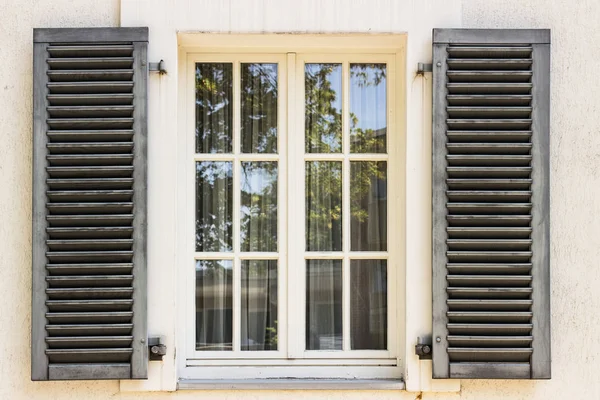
291, 384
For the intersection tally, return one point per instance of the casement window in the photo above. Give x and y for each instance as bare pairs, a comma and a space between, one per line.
290, 199
291, 214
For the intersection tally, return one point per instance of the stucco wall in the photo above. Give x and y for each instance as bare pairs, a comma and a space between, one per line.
575, 163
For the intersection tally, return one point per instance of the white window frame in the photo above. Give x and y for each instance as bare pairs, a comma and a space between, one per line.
291, 56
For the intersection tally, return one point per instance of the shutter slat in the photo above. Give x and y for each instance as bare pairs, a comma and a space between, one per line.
89, 293
90, 171
72, 51
90, 99
95, 148
91, 87
90, 111
81, 342
89, 280
485, 75
499, 330
489, 341
90, 63
89, 355
114, 317
89, 329
101, 135
90, 159
91, 232
90, 208
91, 75
77, 305
489, 63
489, 280
89, 269
491, 305
503, 354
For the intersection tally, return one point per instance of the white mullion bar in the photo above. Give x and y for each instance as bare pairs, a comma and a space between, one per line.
259, 256
282, 262
368, 255
295, 162
237, 276
214, 157
345, 207
213, 256
368, 157
324, 255
258, 157
323, 157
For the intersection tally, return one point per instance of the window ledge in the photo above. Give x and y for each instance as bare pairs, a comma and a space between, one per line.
291, 384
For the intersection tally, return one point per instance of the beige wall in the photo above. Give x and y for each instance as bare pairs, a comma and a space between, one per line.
575, 162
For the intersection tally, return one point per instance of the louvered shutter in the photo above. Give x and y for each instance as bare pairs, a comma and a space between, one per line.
89, 204
491, 277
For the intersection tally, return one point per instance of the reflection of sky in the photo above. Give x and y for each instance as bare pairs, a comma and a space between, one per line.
203, 265
256, 179
210, 171
368, 102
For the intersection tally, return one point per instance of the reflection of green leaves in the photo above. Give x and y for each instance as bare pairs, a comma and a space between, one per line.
323, 114
259, 108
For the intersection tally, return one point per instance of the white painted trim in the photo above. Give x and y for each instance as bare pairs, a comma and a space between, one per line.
292, 384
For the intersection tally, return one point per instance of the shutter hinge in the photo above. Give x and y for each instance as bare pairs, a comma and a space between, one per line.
157, 348
423, 67
423, 348
158, 67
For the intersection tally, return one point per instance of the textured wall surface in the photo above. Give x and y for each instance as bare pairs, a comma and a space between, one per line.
575, 175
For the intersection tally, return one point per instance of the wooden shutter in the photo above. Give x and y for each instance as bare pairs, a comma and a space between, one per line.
89, 204
491, 275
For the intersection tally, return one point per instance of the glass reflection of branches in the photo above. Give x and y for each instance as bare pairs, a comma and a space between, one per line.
214, 206
214, 114
259, 108
323, 108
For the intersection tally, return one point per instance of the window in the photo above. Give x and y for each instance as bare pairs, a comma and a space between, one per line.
290, 209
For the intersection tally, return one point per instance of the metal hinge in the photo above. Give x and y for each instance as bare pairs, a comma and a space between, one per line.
423, 348
156, 348
422, 68
158, 67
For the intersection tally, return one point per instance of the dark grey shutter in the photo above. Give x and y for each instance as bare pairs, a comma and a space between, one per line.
89, 204
491, 275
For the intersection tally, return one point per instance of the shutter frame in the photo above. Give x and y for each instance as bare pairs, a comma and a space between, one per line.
88, 366
538, 366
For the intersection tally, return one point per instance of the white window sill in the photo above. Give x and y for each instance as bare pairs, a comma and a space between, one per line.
290, 384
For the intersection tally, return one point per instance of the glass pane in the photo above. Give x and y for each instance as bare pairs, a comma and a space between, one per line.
214, 305
368, 204
259, 305
214, 111
214, 201
368, 108
258, 206
323, 108
323, 206
324, 305
259, 108
368, 304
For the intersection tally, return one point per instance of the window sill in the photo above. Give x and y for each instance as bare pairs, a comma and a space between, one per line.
290, 384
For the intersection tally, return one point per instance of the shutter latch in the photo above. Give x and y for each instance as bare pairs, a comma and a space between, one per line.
157, 348
423, 67
158, 67
423, 348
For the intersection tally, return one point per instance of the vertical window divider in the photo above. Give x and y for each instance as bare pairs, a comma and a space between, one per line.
346, 206
237, 267
296, 284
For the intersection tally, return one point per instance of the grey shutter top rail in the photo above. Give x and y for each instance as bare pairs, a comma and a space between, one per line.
90, 35
490, 216
89, 306
491, 36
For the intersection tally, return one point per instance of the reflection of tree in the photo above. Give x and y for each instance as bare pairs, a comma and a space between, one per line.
323, 114
214, 199
324, 179
259, 108
258, 211
214, 113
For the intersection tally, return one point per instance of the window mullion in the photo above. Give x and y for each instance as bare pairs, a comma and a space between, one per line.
345, 208
237, 278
